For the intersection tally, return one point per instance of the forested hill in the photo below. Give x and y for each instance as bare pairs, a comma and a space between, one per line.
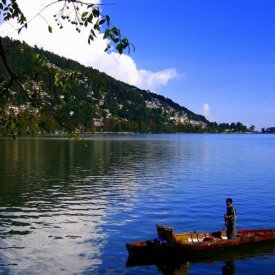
61, 95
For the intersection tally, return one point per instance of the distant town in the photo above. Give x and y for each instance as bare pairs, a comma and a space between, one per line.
270, 130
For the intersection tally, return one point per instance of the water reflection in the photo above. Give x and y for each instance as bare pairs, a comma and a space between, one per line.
66, 208
56, 195
183, 269
51, 206
225, 261
228, 268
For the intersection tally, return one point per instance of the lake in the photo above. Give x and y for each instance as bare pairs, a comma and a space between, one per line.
69, 207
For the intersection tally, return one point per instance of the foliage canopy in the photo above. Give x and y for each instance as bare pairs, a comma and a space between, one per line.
69, 97
14, 86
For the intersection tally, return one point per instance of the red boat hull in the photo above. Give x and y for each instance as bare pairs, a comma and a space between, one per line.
194, 243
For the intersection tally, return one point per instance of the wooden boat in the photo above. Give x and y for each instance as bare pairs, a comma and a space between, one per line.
171, 243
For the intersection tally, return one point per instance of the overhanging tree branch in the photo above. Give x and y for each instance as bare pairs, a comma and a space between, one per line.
80, 14
12, 76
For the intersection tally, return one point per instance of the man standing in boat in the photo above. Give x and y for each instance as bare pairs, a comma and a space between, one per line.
230, 219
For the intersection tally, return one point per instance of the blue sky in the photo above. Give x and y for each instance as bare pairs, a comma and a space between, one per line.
215, 57
225, 50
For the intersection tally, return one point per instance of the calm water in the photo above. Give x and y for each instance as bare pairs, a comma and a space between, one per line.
69, 208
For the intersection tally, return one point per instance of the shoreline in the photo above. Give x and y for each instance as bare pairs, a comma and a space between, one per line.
88, 134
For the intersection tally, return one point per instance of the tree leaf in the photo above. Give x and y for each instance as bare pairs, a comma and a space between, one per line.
96, 12
106, 34
90, 18
96, 27
84, 14
108, 20
102, 21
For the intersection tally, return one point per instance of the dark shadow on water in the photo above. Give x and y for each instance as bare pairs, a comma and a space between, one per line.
228, 268
180, 264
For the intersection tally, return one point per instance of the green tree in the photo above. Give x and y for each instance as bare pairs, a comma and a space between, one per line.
16, 86
252, 128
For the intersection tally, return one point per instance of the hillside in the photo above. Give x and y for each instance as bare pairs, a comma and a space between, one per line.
61, 95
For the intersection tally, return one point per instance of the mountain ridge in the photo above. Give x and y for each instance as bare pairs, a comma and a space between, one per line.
70, 96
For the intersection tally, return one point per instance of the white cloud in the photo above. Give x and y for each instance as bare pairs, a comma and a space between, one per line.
123, 67
68, 43
205, 108
206, 111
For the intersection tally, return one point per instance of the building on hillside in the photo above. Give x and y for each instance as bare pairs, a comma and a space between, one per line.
98, 122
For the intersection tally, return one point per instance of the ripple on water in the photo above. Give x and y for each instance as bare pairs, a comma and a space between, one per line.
66, 209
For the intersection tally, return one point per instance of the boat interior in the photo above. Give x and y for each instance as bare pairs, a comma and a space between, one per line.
168, 234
